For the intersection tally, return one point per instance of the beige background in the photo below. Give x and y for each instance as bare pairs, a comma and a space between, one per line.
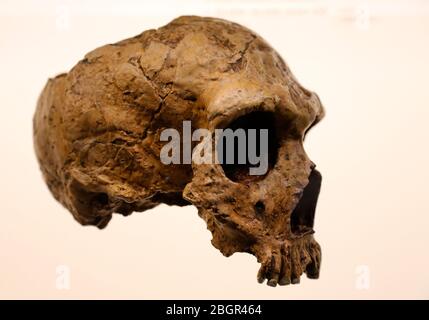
369, 64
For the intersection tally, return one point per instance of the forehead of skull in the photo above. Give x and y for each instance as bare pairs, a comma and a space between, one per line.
193, 52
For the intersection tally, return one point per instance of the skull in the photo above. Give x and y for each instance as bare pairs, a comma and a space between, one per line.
97, 138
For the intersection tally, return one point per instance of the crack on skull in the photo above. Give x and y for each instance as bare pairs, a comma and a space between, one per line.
237, 65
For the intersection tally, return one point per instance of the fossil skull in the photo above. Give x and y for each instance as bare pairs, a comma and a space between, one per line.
97, 138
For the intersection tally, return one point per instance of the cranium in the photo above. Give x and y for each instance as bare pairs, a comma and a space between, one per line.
97, 138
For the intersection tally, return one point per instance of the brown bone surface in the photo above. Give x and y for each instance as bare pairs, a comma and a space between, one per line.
97, 138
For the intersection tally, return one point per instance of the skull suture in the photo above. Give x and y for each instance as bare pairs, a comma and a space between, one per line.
97, 138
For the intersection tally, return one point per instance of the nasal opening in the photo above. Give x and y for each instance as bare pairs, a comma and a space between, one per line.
302, 218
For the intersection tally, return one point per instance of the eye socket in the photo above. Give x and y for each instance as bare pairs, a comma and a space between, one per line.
236, 151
